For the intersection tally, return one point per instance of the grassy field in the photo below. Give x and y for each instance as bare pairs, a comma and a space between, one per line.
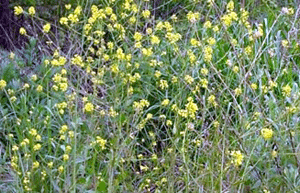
134, 96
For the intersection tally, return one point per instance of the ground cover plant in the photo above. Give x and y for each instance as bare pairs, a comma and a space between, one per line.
114, 97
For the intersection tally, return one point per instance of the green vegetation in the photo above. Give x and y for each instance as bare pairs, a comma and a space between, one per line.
113, 97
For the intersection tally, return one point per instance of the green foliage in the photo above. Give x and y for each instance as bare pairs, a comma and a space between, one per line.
115, 100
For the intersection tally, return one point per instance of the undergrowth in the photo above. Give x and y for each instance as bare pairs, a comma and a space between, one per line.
110, 98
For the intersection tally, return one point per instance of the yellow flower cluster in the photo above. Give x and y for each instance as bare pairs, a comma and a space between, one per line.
89, 107
77, 60
58, 60
139, 106
31, 11
23, 31
60, 82
193, 17
18, 10
267, 133
237, 158
46, 28
2, 84
286, 90
191, 108
231, 16
208, 51
61, 107
99, 141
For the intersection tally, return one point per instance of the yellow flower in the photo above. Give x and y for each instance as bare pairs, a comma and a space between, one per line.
33, 132
204, 71
88, 107
101, 142
274, 153
193, 17
211, 99
37, 147
34, 77
35, 164
189, 79
248, 50
291, 11
115, 68
191, 108
60, 169
108, 10
216, 124
31, 11
15, 148
264, 89
137, 36
77, 60
266, 133
194, 42
237, 157
147, 52
207, 24
146, 13
18, 10
163, 84
2, 84
226, 19
68, 149
272, 84
50, 164
216, 28
65, 157
235, 69
23, 31
266, 191
63, 86
254, 86
73, 18
208, 51
155, 39
211, 41
38, 138
68, 6
286, 90
39, 88
285, 43
78, 10
230, 6
238, 91
110, 45
234, 42
47, 28
165, 102
174, 79
157, 74
11, 55
169, 123
63, 21
149, 30
132, 19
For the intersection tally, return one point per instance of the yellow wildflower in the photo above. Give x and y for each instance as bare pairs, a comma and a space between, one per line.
2, 84
39, 88
88, 107
46, 28
266, 133
18, 10
23, 31
286, 90
237, 158
31, 11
